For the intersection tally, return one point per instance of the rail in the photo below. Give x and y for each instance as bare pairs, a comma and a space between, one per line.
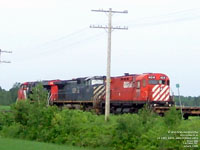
187, 111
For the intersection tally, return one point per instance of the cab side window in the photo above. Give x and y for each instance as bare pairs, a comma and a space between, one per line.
144, 83
138, 84
168, 82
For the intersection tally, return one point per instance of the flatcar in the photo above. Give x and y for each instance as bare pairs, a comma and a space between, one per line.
128, 93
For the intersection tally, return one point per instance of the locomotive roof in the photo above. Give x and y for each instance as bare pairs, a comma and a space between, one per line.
139, 76
82, 79
150, 74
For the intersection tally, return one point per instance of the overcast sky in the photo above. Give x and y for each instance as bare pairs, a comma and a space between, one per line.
51, 39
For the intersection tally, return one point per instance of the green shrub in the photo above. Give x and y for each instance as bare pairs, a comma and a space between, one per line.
127, 132
172, 118
36, 121
20, 112
12, 131
39, 95
6, 119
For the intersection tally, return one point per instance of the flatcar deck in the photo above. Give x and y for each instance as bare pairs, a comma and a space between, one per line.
187, 111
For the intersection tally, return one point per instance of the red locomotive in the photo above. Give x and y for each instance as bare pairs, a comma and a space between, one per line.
128, 93
131, 92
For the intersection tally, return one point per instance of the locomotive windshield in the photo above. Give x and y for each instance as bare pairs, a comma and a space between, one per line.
94, 82
161, 81
154, 82
97, 81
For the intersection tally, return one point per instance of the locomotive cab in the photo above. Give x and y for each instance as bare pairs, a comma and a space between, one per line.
159, 89
153, 88
22, 92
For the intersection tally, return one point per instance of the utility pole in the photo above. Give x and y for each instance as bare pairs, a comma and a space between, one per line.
109, 28
178, 86
4, 52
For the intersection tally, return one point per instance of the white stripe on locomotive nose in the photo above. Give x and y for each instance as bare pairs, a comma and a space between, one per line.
167, 98
155, 87
102, 93
97, 89
161, 92
157, 97
25, 96
156, 92
99, 92
164, 95
168, 94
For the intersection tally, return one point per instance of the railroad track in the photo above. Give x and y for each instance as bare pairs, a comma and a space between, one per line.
187, 111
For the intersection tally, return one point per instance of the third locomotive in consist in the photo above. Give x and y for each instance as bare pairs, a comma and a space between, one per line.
129, 93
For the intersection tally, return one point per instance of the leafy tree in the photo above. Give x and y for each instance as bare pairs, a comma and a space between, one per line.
9, 97
187, 101
39, 94
172, 118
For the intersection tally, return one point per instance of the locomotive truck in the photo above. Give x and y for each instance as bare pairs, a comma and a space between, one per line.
128, 93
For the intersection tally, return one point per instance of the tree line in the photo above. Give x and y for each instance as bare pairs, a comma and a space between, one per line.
187, 101
10, 96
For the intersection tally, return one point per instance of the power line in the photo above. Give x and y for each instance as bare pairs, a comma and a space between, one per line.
50, 46
58, 49
68, 36
183, 15
109, 28
4, 52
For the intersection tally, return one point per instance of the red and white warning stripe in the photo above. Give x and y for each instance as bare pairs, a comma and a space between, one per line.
160, 93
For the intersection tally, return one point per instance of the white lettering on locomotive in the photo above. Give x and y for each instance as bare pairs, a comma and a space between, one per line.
128, 84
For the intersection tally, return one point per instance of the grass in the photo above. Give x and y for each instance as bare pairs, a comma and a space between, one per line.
4, 108
194, 117
16, 144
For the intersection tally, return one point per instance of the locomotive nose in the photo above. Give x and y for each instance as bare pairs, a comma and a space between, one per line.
160, 92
